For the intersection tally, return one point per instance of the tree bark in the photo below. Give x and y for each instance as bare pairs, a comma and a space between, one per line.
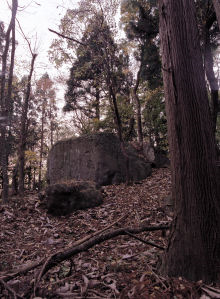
194, 243
41, 145
15, 179
23, 135
5, 98
97, 103
216, 4
119, 129
138, 111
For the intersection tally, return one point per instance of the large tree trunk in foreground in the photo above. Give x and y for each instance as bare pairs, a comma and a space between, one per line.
194, 244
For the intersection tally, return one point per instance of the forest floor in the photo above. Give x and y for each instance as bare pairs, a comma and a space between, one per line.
122, 267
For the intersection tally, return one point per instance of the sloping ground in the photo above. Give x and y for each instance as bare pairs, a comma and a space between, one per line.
122, 267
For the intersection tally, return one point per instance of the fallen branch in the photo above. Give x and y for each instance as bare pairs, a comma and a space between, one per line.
78, 242
59, 257
80, 246
26, 268
22, 270
145, 242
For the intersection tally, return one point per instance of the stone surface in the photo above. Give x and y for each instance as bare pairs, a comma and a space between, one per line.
148, 152
66, 197
161, 160
97, 157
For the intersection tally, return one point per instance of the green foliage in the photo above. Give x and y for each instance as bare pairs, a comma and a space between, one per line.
126, 111
140, 21
155, 124
100, 65
75, 23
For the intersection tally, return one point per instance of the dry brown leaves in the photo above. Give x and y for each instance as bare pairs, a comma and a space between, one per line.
119, 268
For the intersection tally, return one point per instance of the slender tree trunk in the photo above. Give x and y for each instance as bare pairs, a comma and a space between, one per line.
138, 111
41, 146
213, 82
15, 179
23, 135
216, 4
97, 103
194, 243
51, 124
34, 179
119, 129
5, 98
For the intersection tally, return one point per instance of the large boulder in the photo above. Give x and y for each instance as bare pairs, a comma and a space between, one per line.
66, 197
97, 157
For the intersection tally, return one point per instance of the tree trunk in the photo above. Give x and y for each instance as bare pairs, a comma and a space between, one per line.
216, 4
5, 98
194, 243
138, 111
41, 146
51, 123
23, 136
97, 103
15, 179
119, 129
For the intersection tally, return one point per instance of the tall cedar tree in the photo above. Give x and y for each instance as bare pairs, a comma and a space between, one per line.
142, 27
24, 128
194, 243
5, 96
209, 32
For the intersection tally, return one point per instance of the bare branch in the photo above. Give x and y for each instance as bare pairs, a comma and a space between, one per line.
67, 37
29, 44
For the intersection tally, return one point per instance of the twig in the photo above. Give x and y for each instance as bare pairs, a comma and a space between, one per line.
40, 275
157, 277
6, 286
67, 37
29, 44
145, 242
80, 241
23, 270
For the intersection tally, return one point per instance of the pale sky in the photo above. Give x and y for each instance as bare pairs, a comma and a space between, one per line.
35, 18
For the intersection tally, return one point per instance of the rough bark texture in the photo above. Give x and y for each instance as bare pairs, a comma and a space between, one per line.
41, 144
97, 157
23, 136
138, 110
216, 4
194, 244
5, 98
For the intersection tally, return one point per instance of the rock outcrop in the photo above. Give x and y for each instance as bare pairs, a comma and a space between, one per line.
65, 197
97, 157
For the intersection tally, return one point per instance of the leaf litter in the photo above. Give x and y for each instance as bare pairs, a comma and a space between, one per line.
122, 267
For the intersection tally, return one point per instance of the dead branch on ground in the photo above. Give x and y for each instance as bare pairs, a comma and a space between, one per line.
81, 245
